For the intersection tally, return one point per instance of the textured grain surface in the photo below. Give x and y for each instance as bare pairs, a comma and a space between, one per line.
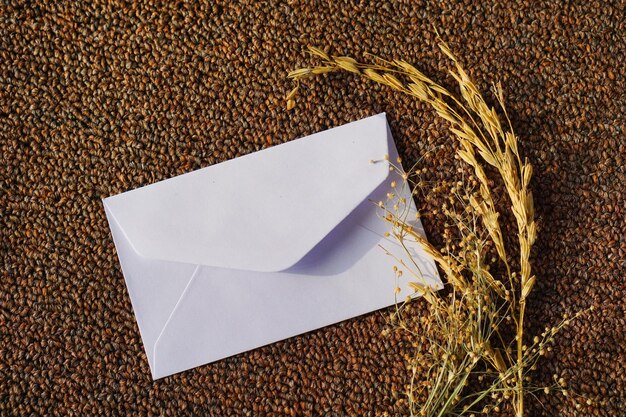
98, 98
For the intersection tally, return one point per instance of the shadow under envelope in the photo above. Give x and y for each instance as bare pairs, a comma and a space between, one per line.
363, 230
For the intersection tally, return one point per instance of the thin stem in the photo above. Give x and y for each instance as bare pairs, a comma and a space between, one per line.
519, 408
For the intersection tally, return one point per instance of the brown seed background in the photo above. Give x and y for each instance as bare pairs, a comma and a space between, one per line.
100, 97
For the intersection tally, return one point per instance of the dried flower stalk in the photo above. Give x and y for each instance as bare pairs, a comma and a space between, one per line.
465, 328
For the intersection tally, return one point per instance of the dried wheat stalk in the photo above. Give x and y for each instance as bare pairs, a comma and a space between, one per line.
464, 329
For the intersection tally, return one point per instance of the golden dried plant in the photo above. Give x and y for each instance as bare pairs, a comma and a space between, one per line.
465, 328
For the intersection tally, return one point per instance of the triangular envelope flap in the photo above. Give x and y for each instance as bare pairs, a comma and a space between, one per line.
263, 211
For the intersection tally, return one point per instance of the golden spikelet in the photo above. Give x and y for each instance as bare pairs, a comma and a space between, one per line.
318, 52
393, 82
346, 63
299, 73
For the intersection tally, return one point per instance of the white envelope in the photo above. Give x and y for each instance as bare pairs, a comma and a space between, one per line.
261, 248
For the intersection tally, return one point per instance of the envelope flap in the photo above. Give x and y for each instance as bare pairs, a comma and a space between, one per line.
263, 211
